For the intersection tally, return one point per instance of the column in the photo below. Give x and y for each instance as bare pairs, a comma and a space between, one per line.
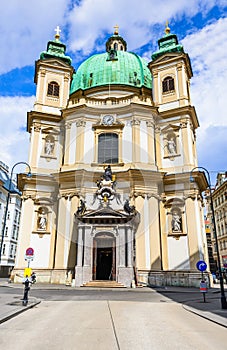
80, 141
154, 233
158, 147
130, 246
122, 247
151, 143
135, 140
185, 143
67, 142
87, 268
79, 268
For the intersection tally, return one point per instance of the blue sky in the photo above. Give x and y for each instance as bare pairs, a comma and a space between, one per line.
201, 26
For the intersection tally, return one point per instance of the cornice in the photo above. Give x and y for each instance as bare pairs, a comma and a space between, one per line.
37, 117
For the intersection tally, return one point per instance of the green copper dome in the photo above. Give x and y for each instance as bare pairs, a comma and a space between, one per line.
112, 67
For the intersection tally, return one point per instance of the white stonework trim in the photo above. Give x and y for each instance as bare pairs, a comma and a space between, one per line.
169, 105
127, 143
89, 144
72, 144
31, 146
177, 83
44, 94
42, 250
62, 88
39, 151
178, 253
184, 81
147, 234
48, 109
143, 142
67, 231
190, 145
159, 92
198, 229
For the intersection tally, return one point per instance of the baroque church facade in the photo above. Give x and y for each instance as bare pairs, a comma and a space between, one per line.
112, 150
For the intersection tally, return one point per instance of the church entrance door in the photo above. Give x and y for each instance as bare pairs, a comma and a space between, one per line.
104, 261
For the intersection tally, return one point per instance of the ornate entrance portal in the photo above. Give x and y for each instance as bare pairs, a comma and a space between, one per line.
104, 257
105, 236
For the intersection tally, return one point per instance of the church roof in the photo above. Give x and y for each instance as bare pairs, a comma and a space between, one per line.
116, 66
55, 48
168, 43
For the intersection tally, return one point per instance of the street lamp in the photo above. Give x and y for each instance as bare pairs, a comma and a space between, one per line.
7, 203
223, 298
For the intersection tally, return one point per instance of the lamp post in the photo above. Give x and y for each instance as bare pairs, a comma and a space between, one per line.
223, 298
7, 203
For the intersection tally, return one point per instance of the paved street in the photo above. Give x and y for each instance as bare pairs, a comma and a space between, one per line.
110, 319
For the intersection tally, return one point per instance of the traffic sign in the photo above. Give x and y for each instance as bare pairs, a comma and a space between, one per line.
201, 265
29, 251
203, 287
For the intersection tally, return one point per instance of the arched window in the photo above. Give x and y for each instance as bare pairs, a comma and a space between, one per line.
168, 84
108, 148
53, 89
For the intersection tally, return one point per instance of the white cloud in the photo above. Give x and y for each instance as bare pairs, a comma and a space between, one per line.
207, 49
135, 19
25, 28
13, 135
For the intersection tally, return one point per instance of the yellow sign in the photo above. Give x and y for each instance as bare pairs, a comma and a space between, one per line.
27, 271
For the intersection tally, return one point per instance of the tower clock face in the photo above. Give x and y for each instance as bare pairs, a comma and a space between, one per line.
108, 120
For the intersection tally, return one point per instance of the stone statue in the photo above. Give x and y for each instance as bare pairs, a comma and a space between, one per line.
82, 207
176, 222
171, 145
127, 208
49, 146
108, 174
42, 222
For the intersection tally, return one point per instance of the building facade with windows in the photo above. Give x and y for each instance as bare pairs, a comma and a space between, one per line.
112, 147
9, 240
219, 196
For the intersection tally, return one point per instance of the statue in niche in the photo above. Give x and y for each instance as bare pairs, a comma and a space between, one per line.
176, 222
171, 145
42, 220
49, 146
108, 173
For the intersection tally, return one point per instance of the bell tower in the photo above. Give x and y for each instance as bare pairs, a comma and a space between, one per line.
176, 132
53, 73
171, 71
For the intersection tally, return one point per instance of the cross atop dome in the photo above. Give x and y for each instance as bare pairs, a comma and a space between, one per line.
116, 29
58, 31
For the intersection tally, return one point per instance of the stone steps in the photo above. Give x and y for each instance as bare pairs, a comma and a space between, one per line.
103, 284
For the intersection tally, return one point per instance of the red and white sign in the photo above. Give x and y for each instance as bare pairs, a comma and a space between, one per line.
29, 251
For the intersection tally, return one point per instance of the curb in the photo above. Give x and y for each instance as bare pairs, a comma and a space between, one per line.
18, 312
221, 321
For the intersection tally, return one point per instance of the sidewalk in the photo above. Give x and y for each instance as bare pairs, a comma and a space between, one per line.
11, 304
211, 309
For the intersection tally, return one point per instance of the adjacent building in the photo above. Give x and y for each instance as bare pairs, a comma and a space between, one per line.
219, 196
113, 145
8, 238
